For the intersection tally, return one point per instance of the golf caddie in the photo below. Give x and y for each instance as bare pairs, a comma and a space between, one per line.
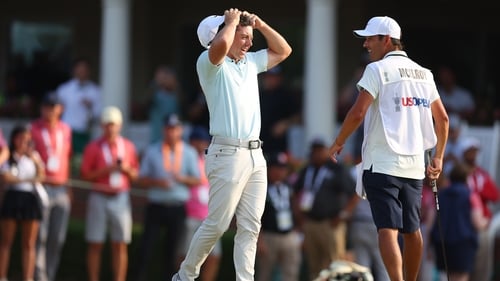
403, 116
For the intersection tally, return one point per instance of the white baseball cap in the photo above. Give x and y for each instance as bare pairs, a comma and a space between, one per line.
111, 114
380, 26
207, 29
470, 143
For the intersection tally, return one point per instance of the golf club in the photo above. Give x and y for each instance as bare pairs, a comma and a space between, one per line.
435, 192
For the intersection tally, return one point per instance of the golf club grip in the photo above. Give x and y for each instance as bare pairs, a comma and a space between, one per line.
428, 158
434, 186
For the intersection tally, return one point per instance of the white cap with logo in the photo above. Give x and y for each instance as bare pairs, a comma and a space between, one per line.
207, 29
380, 26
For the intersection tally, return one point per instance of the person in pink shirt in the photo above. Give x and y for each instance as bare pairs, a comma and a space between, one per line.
52, 139
111, 164
197, 206
4, 149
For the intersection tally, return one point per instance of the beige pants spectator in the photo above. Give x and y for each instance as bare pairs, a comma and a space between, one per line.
484, 263
323, 244
284, 251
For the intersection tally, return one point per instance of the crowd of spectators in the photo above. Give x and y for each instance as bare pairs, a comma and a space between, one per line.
312, 214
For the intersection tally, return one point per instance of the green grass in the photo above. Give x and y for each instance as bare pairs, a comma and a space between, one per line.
73, 260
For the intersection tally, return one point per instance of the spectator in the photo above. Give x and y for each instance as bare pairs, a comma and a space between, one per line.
52, 139
326, 196
111, 164
427, 218
349, 92
461, 218
197, 206
455, 98
168, 168
279, 108
4, 149
365, 248
22, 202
453, 150
197, 111
279, 241
480, 182
81, 99
165, 99
346, 99
361, 230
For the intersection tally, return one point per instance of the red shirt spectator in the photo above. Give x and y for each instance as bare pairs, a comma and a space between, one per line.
100, 154
479, 180
53, 143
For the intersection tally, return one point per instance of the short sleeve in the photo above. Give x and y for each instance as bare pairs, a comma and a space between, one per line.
261, 59
370, 81
145, 167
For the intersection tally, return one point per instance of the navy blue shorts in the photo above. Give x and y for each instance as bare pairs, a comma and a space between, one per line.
395, 202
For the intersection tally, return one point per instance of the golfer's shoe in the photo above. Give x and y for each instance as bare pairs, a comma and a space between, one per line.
176, 277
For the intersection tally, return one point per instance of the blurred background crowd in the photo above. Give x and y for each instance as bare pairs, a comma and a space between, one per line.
57, 102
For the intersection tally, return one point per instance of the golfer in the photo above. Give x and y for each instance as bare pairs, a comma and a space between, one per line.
398, 101
235, 165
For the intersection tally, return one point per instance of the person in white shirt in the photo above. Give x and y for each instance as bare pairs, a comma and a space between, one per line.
403, 117
456, 99
235, 164
81, 99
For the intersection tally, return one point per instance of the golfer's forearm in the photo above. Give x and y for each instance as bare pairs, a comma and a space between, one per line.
442, 137
275, 42
441, 126
352, 121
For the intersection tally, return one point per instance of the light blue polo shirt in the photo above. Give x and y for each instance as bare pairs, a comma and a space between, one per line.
152, 166
232, 93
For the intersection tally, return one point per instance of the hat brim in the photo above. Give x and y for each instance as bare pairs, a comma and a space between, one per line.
361, 33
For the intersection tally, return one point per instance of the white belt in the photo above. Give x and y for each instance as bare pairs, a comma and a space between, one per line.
250, 144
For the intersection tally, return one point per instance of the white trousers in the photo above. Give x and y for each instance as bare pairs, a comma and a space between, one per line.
238, 182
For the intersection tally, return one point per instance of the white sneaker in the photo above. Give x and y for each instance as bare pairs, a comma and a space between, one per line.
176, 277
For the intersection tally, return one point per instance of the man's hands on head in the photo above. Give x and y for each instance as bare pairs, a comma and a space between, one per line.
254, 19
232, 16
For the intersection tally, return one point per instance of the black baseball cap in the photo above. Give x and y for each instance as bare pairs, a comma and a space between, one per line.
172, 120
318, 143
51, 99
277, 159
199, 133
